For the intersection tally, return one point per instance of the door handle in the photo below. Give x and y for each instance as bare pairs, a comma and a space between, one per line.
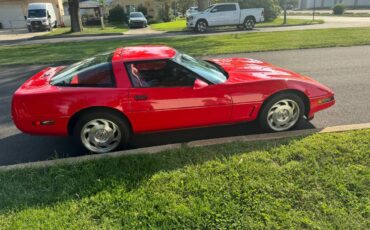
140, 97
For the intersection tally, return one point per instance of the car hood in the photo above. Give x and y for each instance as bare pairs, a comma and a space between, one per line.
245, 70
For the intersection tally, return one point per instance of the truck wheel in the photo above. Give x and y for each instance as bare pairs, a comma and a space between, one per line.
201, 26
249, 23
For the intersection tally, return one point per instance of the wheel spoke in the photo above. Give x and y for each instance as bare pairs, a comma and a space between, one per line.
100, 135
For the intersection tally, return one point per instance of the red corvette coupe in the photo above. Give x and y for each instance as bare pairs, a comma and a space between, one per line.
105, 99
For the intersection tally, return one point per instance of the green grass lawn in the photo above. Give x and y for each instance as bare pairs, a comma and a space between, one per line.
318, 182
346, 14
180, 24
198, 46
88, 30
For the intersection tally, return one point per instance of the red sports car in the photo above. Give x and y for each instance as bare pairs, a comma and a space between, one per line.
103, 100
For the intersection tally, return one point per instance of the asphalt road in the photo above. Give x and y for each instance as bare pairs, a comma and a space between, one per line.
345, 70
330, 22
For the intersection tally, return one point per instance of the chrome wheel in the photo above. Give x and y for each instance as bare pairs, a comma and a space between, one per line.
283, 115
249, 24
202, 26
100, 135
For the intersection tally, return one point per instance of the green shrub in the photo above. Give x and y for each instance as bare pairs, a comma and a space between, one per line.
117, 14
154, 21
339, 9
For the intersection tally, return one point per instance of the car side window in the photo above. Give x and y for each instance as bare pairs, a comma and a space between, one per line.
159, 74
223, 8
100, 75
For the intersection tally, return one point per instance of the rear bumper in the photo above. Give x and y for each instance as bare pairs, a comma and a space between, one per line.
35, 126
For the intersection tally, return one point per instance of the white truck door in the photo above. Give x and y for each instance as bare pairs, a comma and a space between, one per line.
217, 16
232, 14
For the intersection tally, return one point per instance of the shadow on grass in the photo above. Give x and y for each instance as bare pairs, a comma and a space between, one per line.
28, 188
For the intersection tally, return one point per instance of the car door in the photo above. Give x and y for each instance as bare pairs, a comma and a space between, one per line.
217, 16
231, 14
165, 98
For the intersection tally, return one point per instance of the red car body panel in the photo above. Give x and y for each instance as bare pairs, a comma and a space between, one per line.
238, 99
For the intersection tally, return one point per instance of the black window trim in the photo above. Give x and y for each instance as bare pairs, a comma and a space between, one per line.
126, 64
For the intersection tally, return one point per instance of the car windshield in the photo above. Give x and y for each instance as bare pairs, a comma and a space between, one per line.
66, 75
39, 13
136, 15
210, 72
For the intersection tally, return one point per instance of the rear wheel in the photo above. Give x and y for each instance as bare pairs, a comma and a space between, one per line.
282, 112
249, 23
101, 132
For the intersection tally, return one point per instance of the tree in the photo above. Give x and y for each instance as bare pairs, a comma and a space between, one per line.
202, 4
142, 9
74, 12
164, 13
183, 5
285, 4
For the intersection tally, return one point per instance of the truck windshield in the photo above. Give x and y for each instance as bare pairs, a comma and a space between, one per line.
65, 75
212, 73
37, 13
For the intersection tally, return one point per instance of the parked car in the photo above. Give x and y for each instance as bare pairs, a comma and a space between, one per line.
105, 99
191, 10
137, 19
41, 16
225, 14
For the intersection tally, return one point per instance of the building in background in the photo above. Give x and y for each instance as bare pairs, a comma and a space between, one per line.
152, 6
13, 12
309, 4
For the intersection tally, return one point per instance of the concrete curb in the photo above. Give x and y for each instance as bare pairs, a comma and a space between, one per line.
200, 143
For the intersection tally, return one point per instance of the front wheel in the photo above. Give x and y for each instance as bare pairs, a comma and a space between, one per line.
101, 132
282, 112
201, 26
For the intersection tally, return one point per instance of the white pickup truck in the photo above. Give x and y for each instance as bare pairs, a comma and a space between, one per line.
225, 14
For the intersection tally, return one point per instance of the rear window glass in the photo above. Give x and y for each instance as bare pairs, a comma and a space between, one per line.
92, 72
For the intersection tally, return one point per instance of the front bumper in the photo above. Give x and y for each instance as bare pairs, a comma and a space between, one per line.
137, 23
320, 103
190, 24
36, 25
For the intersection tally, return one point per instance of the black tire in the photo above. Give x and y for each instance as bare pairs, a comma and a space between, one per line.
29, 29
55, 24
50, 28
263, 119
119, 121
201, 26
249, 23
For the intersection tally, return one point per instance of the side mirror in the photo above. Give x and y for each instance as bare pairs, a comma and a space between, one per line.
199, 84
49, 16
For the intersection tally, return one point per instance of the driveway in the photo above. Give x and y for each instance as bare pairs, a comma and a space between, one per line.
331, 22
17, 34
346, 70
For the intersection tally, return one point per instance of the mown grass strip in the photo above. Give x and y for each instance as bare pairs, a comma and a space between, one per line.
199, 46
320, 181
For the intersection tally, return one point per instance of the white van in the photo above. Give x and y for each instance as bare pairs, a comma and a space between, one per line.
41, 16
